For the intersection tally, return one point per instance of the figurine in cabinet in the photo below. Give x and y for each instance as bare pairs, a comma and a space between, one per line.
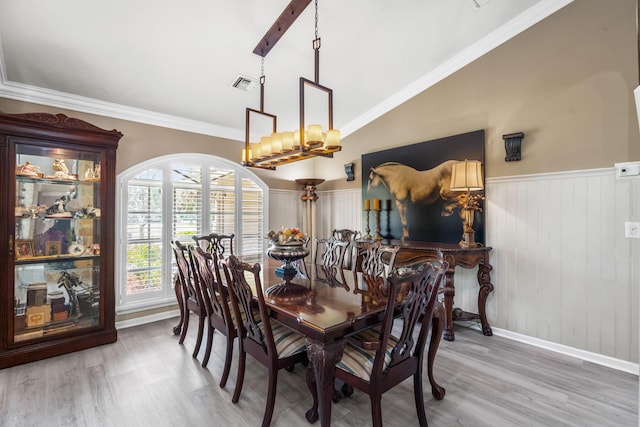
60, 170
28, 169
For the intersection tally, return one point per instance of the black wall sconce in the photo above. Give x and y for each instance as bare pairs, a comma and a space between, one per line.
513, 146
348, 169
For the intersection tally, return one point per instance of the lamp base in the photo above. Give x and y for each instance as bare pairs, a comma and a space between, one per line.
468, 240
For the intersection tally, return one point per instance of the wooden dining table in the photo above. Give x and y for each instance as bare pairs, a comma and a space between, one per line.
327, 307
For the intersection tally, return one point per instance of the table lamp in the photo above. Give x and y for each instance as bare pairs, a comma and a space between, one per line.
467, 177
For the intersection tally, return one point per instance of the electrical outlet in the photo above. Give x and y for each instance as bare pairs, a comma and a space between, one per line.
632, 230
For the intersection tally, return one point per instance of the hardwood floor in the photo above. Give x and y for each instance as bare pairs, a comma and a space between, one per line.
148, 379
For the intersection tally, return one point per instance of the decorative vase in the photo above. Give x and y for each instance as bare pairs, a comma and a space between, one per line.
287, 291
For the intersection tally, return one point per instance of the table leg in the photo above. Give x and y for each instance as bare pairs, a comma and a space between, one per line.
449, 293
322, 362
484, 280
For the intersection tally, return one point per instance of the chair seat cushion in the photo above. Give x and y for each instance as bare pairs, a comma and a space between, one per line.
358, 361
288, 342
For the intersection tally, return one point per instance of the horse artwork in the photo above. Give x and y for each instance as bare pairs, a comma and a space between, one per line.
409, 186
413, 182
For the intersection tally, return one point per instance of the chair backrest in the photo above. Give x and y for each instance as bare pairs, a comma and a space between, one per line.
220, 244
190, 287
208, 273
242, 300
421, 286
350, 236
375, 261
330, 252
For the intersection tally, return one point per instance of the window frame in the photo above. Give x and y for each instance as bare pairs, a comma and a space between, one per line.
129, 304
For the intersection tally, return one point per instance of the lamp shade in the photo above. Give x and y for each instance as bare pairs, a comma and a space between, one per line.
333, 139
256, 152
265, 146
287, 141
276, 143
314, 133
467, 176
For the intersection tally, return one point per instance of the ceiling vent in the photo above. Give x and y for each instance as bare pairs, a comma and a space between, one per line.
244, 83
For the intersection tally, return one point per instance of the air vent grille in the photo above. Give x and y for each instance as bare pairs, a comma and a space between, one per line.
243, 83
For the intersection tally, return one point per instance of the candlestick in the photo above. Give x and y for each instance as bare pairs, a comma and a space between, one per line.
376, 204
376, 218
366, 219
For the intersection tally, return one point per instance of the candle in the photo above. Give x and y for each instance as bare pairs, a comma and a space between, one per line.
367, 205
376, 204
388, 201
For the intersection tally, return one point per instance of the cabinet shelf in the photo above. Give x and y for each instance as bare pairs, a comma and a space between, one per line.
57, 282
58, 258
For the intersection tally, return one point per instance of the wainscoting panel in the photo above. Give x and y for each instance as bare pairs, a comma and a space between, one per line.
563, 270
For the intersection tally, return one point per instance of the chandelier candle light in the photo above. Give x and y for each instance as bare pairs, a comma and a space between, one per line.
279, 148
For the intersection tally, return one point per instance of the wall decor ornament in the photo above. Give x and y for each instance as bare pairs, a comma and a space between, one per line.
416, 179
513, 146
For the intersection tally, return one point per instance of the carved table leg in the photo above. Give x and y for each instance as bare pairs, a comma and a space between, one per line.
484, 280
437, 326
323, 359
177, 288
449, 293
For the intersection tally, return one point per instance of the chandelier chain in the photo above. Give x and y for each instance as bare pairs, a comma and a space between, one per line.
316, 4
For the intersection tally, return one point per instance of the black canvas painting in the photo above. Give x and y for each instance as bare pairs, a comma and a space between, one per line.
413, 183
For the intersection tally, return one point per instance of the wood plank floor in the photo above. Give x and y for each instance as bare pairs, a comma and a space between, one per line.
148, 379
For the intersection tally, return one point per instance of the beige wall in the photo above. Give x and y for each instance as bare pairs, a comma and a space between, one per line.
566, 83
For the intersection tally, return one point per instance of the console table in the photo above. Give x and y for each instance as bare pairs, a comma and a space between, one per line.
455, 256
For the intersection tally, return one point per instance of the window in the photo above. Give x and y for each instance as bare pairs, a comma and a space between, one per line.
174, 198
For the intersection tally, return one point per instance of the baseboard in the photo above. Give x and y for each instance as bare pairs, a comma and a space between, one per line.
600, 359
147, 319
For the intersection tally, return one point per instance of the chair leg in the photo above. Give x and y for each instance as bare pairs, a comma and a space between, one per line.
227, 360
376, 410
271, 398
177, 287
207, 352
417, 392
185, 326
201, 319
240, 378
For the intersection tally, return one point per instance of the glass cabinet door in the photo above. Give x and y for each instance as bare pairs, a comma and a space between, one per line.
56, 241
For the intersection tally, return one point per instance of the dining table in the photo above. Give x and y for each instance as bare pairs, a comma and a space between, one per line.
327, 306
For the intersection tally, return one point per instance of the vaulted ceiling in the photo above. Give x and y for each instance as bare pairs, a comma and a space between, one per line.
172, 63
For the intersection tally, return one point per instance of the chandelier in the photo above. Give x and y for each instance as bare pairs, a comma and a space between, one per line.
280, 148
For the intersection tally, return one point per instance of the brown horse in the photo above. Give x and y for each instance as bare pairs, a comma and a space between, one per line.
408, 185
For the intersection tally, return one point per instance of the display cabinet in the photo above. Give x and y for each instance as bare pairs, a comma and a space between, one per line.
57, 294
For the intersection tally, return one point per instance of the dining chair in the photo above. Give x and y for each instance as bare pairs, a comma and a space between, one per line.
375, 261
329, 252
349, 236
268, 341
216, 302
221, 244
377, 360
192, 297
328, 263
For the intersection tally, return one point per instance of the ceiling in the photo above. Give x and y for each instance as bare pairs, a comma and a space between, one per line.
172, 63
